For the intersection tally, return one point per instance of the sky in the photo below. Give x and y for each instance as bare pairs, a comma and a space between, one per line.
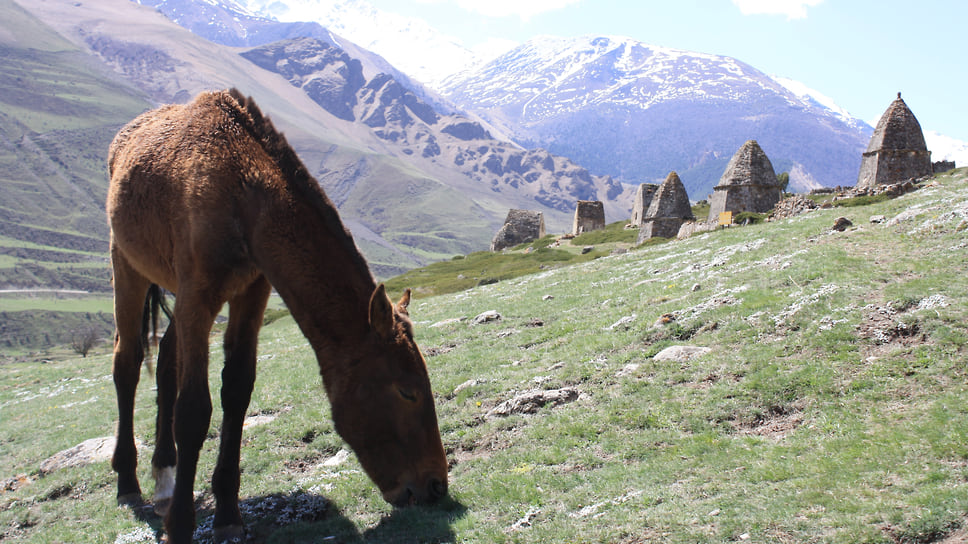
861, 53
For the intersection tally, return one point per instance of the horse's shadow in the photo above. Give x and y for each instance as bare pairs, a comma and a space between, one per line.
303, 516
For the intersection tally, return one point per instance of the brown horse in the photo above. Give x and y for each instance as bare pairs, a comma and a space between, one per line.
209, 201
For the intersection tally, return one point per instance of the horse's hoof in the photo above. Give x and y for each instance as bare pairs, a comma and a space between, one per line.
229, 534
161, 506
131, 500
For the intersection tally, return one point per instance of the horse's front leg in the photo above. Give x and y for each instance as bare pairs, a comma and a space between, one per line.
194, 315
164, 458
238, 378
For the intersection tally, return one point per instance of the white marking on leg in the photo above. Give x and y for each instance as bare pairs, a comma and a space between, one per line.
164, 483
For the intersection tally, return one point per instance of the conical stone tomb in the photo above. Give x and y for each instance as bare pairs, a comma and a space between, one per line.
897, 151
749, 184
669, 208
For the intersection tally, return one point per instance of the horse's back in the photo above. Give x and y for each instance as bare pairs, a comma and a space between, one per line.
173, 176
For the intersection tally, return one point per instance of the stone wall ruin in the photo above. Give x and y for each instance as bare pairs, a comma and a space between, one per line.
589, 216
943, 166
643, 199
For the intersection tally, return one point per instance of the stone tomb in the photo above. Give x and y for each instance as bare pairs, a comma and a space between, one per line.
643, 199
748, 185
589, 216
668, 210
897, 151
519, 227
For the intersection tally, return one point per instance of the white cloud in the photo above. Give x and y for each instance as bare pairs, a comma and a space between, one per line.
793, 9
523, 9
946, 148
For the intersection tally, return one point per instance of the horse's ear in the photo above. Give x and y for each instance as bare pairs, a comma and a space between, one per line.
404, 302
381, 312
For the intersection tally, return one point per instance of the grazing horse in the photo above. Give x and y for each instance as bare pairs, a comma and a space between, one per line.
209, 201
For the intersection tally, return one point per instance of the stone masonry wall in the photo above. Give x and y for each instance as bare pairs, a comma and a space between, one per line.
589, 216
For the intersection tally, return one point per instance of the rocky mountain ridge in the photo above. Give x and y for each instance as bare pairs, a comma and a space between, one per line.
335, 81
418, 126
409, 43
637, 111
227, 22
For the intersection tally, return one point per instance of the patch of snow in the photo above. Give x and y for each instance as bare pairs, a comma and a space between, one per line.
408, 43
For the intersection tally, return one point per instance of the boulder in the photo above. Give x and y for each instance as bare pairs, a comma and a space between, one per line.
531, 401
681, 354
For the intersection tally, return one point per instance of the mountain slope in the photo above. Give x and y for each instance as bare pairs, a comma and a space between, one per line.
225, 22
59, 110
408, 43
159, 60
637, 111
414, 185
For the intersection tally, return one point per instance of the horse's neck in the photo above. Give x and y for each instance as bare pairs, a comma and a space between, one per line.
321, 278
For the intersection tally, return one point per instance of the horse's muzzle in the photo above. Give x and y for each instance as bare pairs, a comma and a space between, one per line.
410, 495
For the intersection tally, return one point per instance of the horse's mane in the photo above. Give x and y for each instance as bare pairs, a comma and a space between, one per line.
293, 170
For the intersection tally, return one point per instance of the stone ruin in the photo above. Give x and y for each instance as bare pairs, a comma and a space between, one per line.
589, 216
749, 184
791, 207
943, 166
643, 199
897, 151
520, 226
668, 210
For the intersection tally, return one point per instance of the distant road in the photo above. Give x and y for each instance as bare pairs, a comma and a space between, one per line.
56, 291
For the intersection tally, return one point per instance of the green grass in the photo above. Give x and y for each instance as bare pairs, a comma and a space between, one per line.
613, 233
462, 272
55, 302
800, 424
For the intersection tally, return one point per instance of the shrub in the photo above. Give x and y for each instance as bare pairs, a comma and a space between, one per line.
83, 341
748, 218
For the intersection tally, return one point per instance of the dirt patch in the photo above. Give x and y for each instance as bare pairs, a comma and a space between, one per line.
953, 533
304, 465
435, 351
15, 483
885, 325
710, 380
776, 423
957, 537
483, 447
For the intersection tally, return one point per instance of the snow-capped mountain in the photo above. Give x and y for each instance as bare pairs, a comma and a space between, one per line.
410, 44
637, 111
550, 75
815, 97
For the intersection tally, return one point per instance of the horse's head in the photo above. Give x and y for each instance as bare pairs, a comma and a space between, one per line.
384, 409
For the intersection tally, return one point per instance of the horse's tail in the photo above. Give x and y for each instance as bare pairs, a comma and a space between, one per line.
155, 305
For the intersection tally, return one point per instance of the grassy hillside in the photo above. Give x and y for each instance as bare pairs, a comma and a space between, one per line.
830, 407
59, 110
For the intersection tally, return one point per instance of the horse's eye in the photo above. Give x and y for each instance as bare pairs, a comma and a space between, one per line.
407, 395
